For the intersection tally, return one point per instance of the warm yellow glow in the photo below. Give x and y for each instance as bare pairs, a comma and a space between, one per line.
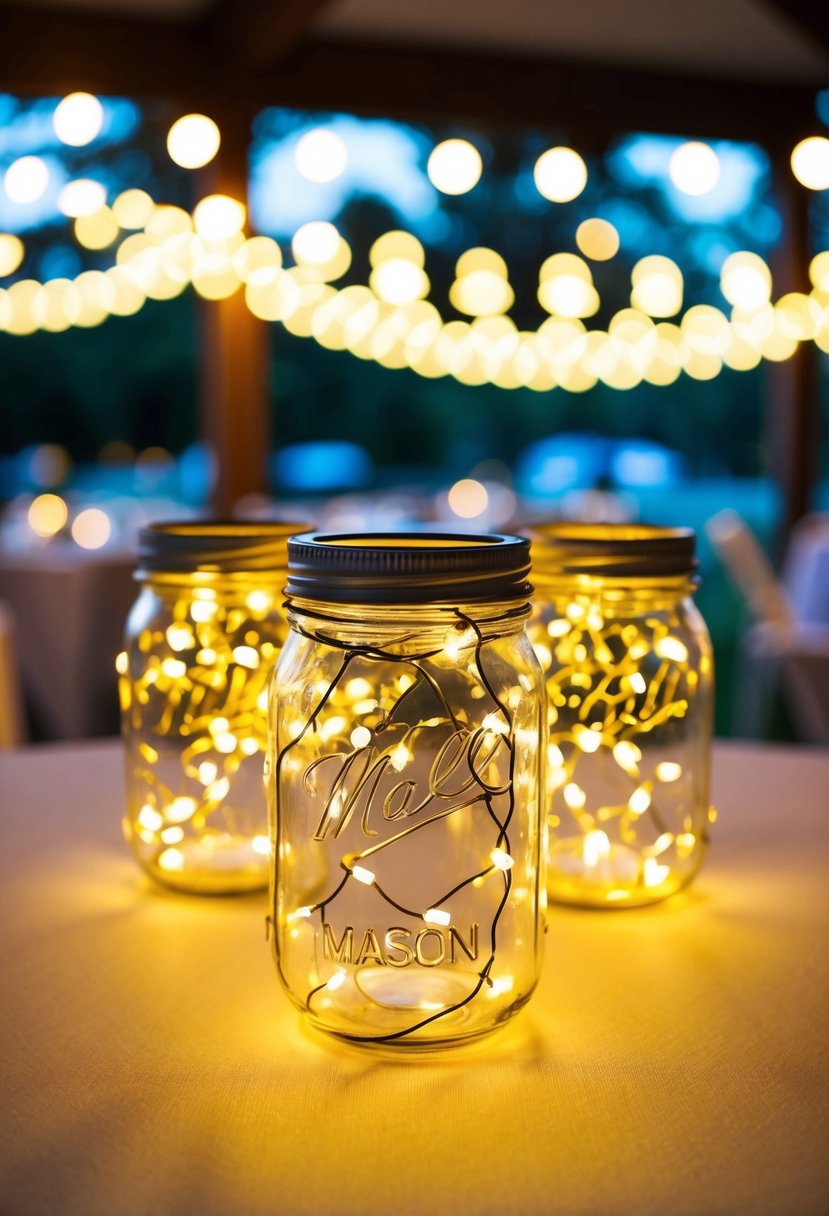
193, 140
316, 242
437, 916
132, 209
480, 258
47, 514
91, 528
639, 800
668, 771
636, 682
173, 668
261, 845
694, 168
655, 873
819, 271
78, 119
98, 229
810, 162
171, 860
336, 981
12, 251
259, 601
595, 847
246, 656
321, 155
745, 280
81, 197
597, 239
180, 637
180, 809
568, 295
399, 281
26, 179
481, 293
560, 174
208, 772
258, 261
363, 875
395, 245
219, 217
627, 755
657, 286
360, 736
454, 166
502, 860
171, 835
574, 796
150, 819
468, 498
495, 724
587, 740
671, 648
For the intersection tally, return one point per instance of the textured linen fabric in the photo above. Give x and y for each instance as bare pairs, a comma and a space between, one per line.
673, 1060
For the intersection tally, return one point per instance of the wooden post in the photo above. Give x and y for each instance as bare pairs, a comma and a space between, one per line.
792, 385
234, 349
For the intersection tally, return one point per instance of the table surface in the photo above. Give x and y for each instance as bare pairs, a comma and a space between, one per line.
674, 1059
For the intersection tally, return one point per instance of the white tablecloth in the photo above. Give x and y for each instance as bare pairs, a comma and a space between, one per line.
674, 1059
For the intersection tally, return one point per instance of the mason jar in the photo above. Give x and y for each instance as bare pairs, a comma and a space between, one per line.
629, 673
201, 641
405, 774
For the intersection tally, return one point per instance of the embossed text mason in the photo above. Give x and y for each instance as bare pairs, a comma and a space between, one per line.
405, 773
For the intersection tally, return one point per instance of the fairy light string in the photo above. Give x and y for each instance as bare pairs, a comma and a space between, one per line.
355, 864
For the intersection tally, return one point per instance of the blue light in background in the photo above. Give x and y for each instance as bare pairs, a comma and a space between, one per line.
319, 467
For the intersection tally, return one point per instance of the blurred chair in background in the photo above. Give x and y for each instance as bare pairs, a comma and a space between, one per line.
786, 648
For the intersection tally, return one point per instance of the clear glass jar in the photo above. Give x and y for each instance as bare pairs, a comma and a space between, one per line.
406, 779
201, 641
629, 672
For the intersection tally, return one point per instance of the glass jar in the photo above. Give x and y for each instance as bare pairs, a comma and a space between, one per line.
405, 773
629, 672
201, 641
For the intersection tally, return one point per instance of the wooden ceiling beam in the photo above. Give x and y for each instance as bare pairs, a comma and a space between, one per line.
47, 52
259, 33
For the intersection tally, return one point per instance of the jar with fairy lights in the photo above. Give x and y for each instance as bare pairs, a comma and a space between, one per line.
201, 641
405, 772
629, 674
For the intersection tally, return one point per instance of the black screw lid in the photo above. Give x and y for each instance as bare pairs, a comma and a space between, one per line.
408, 567
612, 550
214, 546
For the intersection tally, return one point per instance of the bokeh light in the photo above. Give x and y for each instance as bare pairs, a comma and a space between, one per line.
745, 280
26, 179
91, 528
468, 498
810, 162
132, 209
193, 140
81, 197
12, 252
560, 174
47, 514
694, 168
399, 281
397, 244
657, 286
454, 166
219, 217
97, 230
321, 155
316, 242
597, 239
78, 119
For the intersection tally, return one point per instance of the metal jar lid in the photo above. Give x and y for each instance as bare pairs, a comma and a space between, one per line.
613, 550
215, 547
408, 568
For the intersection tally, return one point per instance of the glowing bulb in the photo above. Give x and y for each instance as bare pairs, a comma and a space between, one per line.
627, 755
636, 682
587, 740
363, 875
595, 846
193, 141
261, 845
203, 610
694, 168
180, 637
78, 119
468, 498
132, 209
47, 514
12, 251
81, 197
246, 656
174, 669
321, 155
558, 627
495, 725
810, 162
574, 796
672, 649
91, 528
122, 663
399, 757
207, 771
150, 819
436, 916
396, 244
300, 913
560, 174
258, 601
454, 166
172, 835
26, 179
502, 860
399, 282
654, 873
357, 688
219, 218
360, 736
171, 859
668, 771
180, 809
745, 280
639, 801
